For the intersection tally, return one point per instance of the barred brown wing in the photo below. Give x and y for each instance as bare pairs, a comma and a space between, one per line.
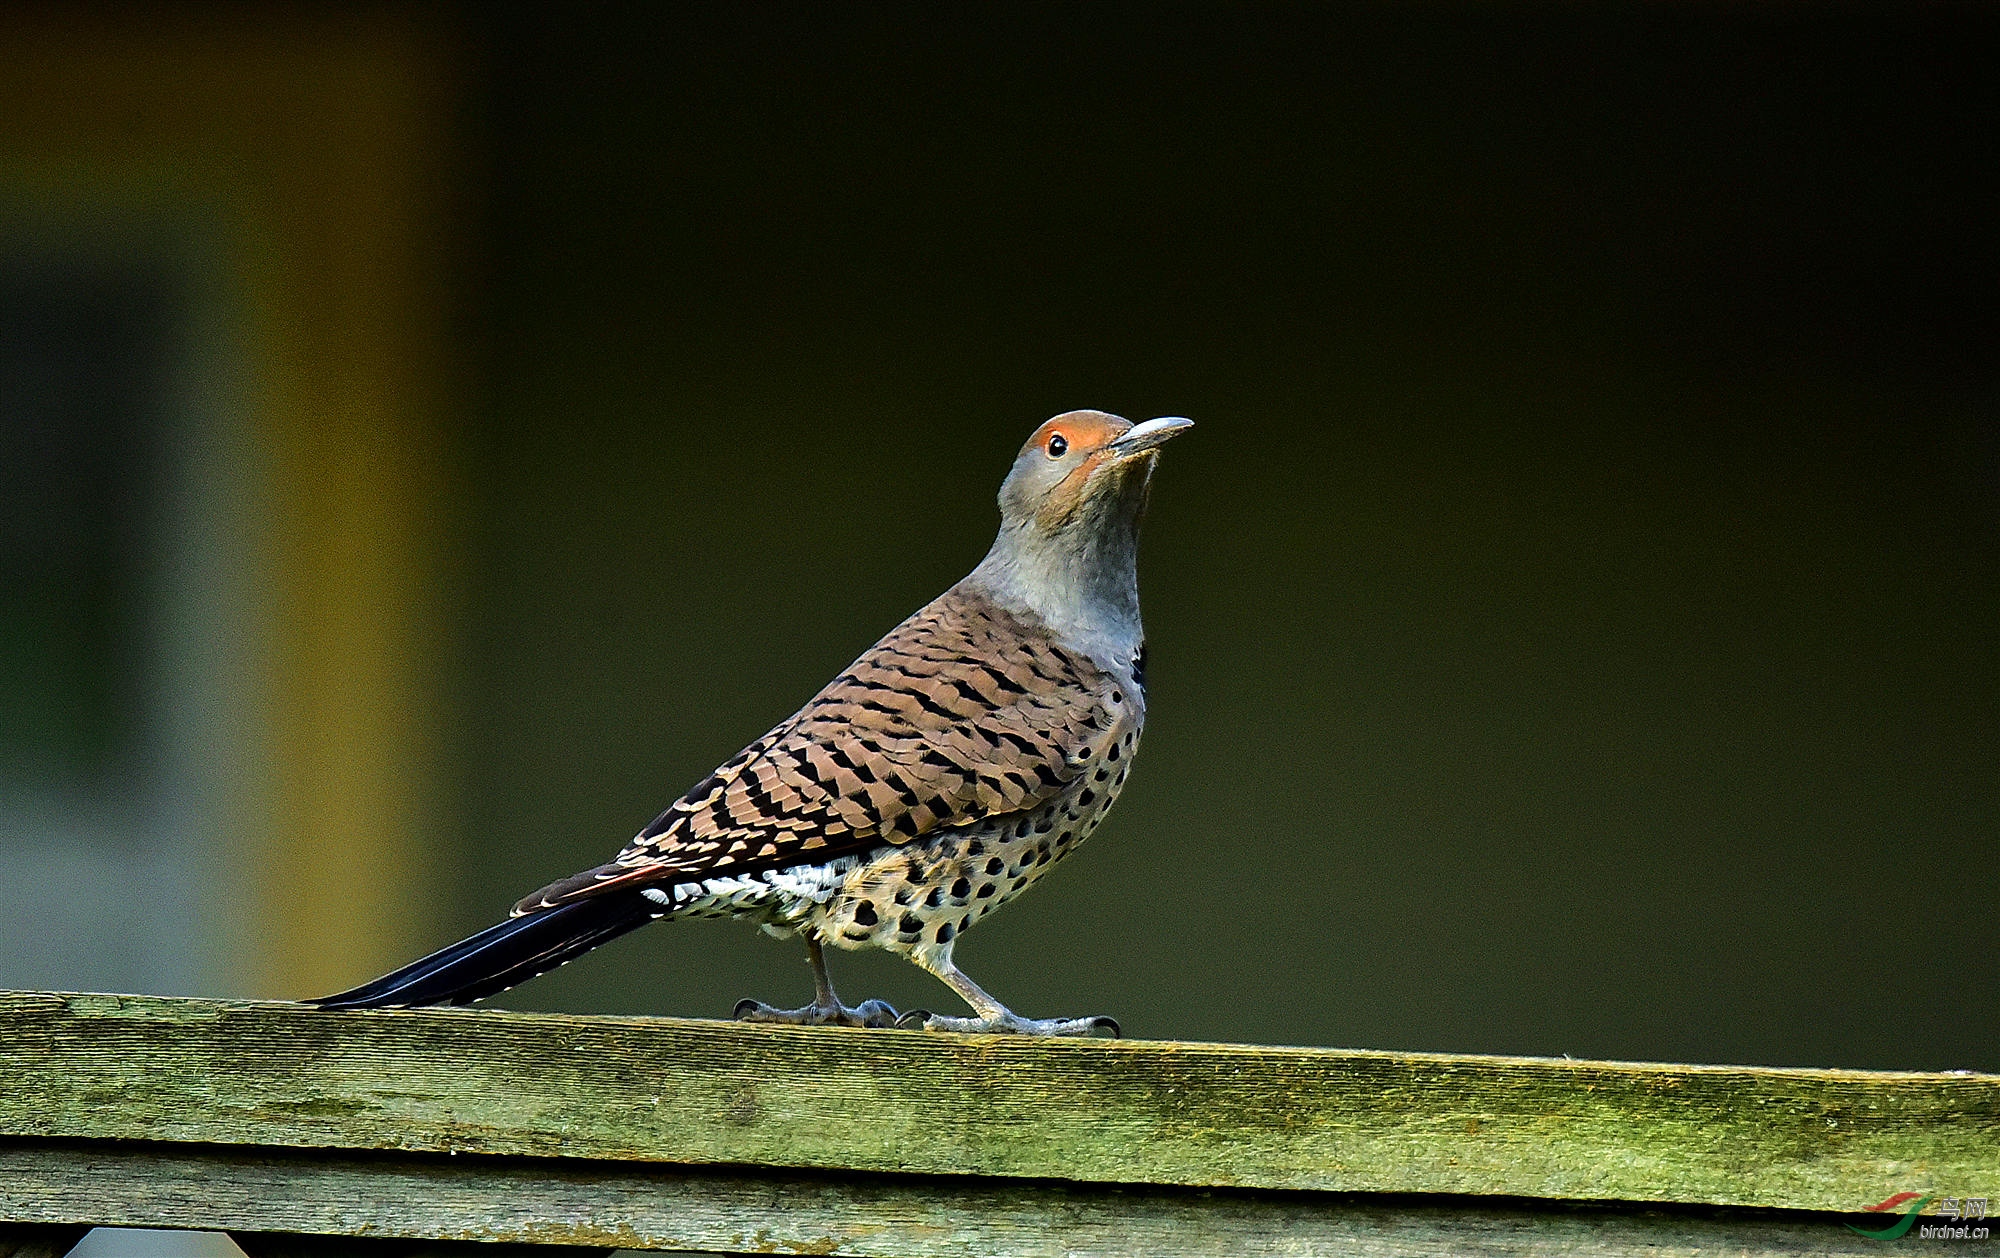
965, 711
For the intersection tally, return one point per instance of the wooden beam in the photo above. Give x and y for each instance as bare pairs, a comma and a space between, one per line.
426, 1206
639, 1090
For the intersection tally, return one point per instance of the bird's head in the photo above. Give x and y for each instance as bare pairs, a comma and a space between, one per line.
1069, 527
1085, 469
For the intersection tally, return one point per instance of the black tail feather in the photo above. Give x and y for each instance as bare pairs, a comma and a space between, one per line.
502, 956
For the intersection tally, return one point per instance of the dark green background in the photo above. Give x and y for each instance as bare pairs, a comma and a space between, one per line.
1573, 619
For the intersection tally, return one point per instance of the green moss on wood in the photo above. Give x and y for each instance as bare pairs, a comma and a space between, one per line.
503, 1202
1195, 1115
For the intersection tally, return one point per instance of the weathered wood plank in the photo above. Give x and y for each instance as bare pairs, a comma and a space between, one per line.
563, 1202
1201, 1115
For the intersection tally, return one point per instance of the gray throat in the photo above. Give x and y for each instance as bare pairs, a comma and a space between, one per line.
1082, 581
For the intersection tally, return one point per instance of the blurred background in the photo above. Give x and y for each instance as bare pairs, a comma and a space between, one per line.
431, 438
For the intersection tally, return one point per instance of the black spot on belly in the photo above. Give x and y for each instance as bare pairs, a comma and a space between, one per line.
935, 898
995, 865
910, 925
864, 914
1087, 798
1102, 775
961, 889
986, 889
945, 932
903, 896
1045, 825
1113, 753
858, 936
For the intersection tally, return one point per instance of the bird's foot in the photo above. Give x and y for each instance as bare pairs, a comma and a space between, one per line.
872, 1013
1009, 1024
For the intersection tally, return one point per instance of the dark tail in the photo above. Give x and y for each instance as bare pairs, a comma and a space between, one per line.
502, 956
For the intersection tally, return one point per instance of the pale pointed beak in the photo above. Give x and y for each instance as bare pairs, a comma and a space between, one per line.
1149, 436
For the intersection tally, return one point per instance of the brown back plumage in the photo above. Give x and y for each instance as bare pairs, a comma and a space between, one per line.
966, 711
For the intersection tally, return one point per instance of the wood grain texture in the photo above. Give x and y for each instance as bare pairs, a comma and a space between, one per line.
1189, 1115
559, 1204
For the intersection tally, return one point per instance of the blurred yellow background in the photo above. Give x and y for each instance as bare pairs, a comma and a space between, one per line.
437, 436
242, 221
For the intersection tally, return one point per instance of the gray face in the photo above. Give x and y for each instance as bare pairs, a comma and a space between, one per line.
1051, 475
1069, 534
1084, 471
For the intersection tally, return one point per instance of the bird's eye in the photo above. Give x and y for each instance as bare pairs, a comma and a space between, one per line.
1058, 446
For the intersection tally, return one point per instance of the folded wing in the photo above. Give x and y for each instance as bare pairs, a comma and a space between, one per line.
962, 713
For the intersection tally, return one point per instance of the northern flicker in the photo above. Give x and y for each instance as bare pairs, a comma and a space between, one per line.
936, 778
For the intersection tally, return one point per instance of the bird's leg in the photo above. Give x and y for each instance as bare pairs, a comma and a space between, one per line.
826, 1009
994, 1018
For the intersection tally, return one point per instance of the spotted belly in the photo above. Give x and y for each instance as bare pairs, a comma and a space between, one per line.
922, 896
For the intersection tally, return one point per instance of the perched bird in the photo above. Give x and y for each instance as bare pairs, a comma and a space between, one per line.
936, 778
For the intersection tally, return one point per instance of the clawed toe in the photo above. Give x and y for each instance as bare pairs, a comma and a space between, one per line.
1010, 1024
876, 1013
869, 1013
